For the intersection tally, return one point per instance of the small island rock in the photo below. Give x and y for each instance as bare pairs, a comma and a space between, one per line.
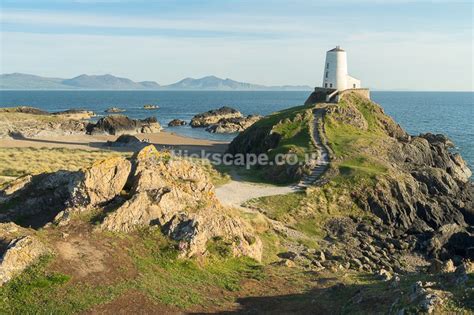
114, 110
214, 116
150, 106
231, 125
121, 124
176, 122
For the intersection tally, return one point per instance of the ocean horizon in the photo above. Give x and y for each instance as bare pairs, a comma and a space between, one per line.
449, 113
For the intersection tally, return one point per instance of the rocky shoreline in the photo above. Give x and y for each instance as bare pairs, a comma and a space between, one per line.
27, 122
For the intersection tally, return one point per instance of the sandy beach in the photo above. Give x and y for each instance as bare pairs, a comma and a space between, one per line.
98, 142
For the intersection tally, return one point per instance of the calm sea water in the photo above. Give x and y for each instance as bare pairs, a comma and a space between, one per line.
451, 113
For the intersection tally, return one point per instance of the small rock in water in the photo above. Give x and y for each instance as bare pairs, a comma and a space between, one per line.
150, 106
176, 122
114, 110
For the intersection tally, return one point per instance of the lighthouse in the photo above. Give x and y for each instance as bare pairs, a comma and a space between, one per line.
335, 71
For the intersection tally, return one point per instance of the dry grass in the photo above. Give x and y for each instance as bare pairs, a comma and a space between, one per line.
16, 162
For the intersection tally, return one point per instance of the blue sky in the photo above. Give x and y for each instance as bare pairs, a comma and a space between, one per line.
416, 45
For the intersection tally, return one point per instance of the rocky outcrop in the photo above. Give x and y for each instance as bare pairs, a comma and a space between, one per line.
120, 124
176, 123
426, 191
125, 140
78, 114
20, 250
38, 199
178, 196
231, 125
24, 110
214, 116
154, 189
21, 125
114, 110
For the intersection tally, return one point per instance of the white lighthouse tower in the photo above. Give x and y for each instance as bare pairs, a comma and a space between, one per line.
335, 71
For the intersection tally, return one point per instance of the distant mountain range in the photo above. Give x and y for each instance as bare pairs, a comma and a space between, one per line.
20, 81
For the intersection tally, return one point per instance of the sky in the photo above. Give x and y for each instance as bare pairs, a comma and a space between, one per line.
391, 45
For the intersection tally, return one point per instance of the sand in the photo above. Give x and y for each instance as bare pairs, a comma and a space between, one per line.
97, 142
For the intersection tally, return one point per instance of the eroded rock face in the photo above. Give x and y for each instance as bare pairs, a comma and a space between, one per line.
214, 116
120, 124
231, 125
21, 251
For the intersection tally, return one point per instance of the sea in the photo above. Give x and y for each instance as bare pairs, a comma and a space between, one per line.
450, 113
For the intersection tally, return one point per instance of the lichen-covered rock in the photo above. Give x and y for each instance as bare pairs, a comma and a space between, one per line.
20, 253
214, 116
121, 124
231, 125
100, 183
178, 196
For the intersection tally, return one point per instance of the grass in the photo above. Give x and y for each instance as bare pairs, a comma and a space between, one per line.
290, 128
295, 133
308, 212
361, 154
38, 291
168, 279
278, 207
162, 276
15, 162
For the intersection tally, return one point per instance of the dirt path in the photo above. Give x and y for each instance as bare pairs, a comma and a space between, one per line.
235, 193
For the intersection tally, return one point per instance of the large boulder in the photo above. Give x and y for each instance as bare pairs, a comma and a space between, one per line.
214, 116
121, 124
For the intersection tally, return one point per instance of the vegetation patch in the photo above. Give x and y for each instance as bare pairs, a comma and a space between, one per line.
38, 291
15, 162
169, 279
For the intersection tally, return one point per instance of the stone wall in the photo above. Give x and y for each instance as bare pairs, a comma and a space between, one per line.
362, 92
318, 96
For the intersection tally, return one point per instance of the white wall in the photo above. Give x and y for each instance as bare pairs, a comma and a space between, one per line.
335, 72
352, 83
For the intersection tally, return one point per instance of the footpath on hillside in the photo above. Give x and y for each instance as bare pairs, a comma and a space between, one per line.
238, 191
